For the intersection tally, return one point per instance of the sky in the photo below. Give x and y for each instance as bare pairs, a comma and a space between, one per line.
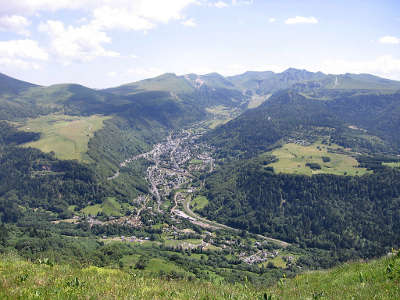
104, 43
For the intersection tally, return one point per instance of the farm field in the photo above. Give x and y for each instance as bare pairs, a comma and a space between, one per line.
293, 159
110, 207
66, 136
256, 101
392, 164
199, 203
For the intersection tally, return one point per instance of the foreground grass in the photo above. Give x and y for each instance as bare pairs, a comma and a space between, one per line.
67, 136
24, 280
20, 279
378, 279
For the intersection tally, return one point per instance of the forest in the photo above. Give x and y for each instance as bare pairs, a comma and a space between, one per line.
349, 216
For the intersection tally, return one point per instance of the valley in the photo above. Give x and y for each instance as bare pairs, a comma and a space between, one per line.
249, 178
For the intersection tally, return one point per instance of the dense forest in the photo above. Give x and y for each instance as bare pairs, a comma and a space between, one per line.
350, 216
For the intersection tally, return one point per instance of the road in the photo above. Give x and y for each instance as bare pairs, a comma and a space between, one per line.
170, 171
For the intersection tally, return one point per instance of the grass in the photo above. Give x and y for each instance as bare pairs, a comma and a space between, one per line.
110, 207
66, 136
25, 280
293, 159
21, 279
256, 100
374, 280
199, 203
222, 115
196, 161
156, 265
165, 82
392, 164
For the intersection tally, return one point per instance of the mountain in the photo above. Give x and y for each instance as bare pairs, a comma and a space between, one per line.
277, 175
288, 113
201, 91
314, 165
269, 82
11, 86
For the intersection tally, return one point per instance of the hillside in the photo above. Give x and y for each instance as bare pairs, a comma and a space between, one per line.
23, 279
10, 86
360, 122
109, 178
264, 83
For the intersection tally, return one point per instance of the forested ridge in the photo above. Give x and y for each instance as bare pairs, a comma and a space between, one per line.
289, 114
350, 216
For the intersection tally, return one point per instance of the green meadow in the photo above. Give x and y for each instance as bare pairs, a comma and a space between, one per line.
198, 203
292, 159
392, 164
110, 207
66, 136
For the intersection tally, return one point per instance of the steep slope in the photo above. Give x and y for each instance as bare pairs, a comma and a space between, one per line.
10, 86
198, 91
348, 120
360, 280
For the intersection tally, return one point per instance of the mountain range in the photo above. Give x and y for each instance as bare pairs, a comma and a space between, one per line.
219, 178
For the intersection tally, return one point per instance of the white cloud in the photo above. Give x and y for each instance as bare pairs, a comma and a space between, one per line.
242, 2
189, 23
385, 66
14, 23
16, 63
22, 54
301, 20
25, 49
82, 43
220, 4
112, 74
271, 20
141, 73
116, 14
163, 11
115, 18
389, 40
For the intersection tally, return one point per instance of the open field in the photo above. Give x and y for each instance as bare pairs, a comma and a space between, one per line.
222, 115
256, 100
392, 164
293, 159
199, 203
110, 207
67, 136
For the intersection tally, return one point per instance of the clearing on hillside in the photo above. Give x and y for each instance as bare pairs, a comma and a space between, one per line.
315, 159
67, 136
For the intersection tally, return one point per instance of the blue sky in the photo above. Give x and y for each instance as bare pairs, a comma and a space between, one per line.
103, 43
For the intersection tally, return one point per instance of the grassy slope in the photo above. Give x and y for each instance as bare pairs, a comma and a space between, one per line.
110, 207
199, 203
67, 136
392, 164
24, 280
375, 280
293, 157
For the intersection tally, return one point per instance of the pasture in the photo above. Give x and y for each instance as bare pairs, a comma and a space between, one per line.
296, 159
198, 203
66, 136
